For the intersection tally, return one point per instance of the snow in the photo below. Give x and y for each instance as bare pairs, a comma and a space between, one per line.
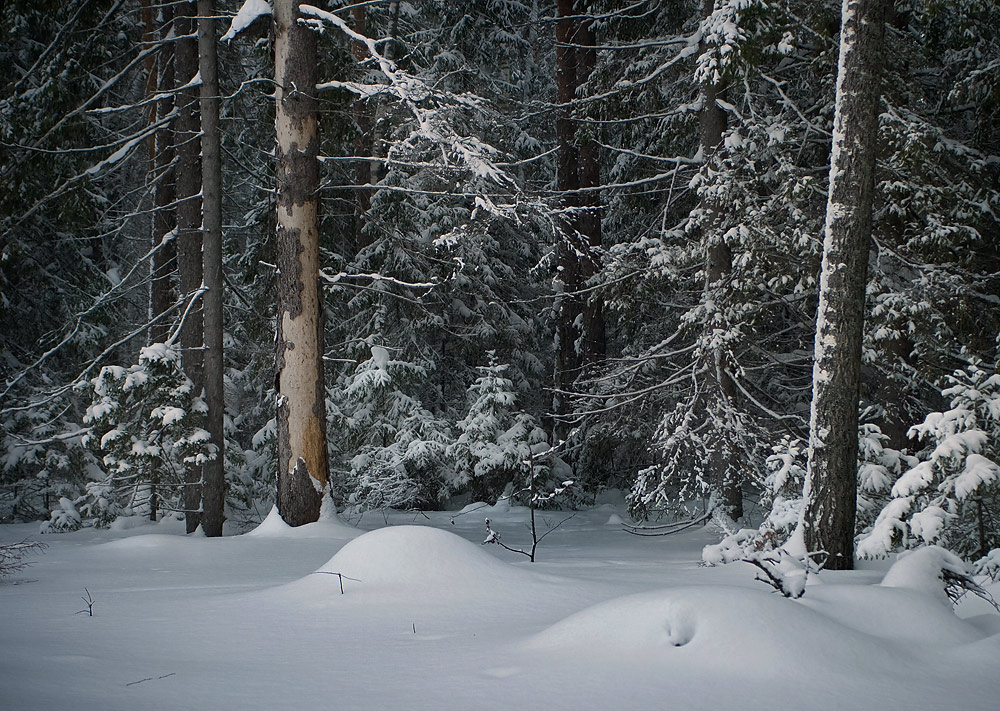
430, 619
248, 13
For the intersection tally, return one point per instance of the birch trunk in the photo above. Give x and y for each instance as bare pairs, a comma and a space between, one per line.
302, 453
831, 480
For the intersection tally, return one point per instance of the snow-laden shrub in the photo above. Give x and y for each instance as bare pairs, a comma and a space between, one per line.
879, 467
146, 428
781, 497
951, 497
772, 546
394, 449
64, 517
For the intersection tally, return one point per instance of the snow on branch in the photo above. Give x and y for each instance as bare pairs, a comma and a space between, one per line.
431, 123
248, 14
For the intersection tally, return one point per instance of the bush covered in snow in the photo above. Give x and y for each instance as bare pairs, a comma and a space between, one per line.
145, 427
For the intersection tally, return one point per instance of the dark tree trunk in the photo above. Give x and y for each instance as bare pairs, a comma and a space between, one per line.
302, 451
214, 482
719, 386
594, 337
162, 263
363, 145
189, 242
580, 328
831, 480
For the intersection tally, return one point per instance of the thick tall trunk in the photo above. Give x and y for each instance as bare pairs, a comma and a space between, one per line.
188, 184
214, 482
718, 266
831, 480
302, 452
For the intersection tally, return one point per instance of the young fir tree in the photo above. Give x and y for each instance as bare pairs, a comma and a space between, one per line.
392, 451
952, 496
495, 436
146, 425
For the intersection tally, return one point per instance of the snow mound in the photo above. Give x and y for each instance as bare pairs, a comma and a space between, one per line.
273, 526
726, 628
921, 570
415, 558
901, 614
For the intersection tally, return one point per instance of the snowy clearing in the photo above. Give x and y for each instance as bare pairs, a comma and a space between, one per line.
429, 619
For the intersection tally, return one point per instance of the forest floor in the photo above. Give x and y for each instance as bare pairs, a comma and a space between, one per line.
429, 619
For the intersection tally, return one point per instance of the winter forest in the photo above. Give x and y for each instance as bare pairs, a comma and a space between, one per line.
720, 274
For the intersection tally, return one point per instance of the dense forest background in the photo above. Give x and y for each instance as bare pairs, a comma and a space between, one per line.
578, 240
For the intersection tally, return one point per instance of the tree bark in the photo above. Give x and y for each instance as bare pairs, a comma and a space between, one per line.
363, 142
189, 240
718, 266
162, 263
831, 480
594, 330
302, 450
214, 482
580, 328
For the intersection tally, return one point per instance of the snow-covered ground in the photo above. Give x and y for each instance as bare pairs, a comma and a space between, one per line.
431, 620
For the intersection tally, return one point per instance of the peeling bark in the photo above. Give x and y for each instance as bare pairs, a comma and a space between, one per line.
302, 451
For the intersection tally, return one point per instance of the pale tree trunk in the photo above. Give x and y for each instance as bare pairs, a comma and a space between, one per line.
718, 266
302, 452
831, 480
214, 482
188, 185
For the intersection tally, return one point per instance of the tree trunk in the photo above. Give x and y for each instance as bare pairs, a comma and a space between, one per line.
718, 266
831, 480
214, 483
363, 142
580, 328
189, 242
302, 452
594, 332
162, 263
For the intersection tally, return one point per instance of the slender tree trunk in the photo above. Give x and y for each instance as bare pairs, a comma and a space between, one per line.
831, 480
594, 331
214, 483
302, 451
363, 143
718, 266
162, 264
568, 312
189, 241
